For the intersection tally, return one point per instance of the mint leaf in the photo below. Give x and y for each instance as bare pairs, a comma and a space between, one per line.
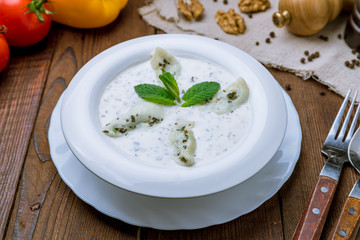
154, 93
170, 84
200, 92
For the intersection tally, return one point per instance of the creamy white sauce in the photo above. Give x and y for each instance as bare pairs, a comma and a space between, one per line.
215, 134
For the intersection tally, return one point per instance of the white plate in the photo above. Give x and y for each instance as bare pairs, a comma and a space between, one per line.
83, 132
170, 213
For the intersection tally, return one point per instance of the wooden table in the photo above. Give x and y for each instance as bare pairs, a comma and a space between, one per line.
36, 203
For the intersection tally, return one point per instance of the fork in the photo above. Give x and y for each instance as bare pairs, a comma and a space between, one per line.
335, 149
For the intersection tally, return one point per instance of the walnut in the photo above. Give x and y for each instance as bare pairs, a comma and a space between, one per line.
253, 5
230, 22
190, 8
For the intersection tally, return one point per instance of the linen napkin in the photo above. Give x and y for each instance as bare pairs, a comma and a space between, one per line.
283, 51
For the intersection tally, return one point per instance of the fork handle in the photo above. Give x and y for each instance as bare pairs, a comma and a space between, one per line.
313, 219
349, 220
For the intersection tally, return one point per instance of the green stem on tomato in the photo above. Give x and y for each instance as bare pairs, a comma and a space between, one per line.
40, 3
37, 7
3, 29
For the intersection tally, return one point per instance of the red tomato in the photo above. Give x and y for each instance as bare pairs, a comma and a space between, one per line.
4, 52
23, 21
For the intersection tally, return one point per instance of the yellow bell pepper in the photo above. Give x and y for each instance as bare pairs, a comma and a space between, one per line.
86, 13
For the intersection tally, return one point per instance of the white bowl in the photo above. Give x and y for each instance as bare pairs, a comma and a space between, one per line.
83, 132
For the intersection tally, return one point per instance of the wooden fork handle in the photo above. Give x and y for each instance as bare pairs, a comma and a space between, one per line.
313, 219
349, 220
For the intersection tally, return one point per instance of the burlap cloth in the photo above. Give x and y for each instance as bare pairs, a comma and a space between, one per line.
285, 50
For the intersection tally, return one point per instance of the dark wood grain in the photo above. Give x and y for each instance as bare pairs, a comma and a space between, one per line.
36, 203
21, 87
44, 203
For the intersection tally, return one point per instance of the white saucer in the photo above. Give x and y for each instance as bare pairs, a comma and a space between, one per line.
184, 213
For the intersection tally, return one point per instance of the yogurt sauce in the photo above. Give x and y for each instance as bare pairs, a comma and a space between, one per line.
215, 134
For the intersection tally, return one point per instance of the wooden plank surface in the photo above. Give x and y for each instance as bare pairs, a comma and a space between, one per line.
41, 187
36, 203
21, 87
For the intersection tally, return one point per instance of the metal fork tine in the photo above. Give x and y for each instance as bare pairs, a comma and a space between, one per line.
353, 124
347, 119
335, 126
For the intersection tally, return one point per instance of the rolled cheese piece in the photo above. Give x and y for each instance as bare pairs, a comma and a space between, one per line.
230, 98
141, 112
182, 138
163, 61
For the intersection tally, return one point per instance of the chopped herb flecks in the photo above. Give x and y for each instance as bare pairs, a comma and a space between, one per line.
232, 95
154, 120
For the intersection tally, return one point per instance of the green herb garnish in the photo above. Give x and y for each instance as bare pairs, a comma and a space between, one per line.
196, 94
200, 93
170, 84
154, 93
